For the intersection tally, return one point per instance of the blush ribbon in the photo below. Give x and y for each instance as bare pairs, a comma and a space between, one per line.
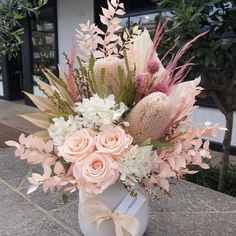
124, 225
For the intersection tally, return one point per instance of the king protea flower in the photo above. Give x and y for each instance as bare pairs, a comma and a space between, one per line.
111, 64
149, 117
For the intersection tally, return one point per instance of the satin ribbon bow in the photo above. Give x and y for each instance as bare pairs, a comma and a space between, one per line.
124, 225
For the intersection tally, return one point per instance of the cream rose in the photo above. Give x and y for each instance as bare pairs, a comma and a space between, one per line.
78, 145
96, 172
113, 141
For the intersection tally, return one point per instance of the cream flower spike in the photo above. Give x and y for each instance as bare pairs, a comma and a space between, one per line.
139, 51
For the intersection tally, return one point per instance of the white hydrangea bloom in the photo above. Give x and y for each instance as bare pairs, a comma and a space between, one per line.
98, 112
61, 128
136, 163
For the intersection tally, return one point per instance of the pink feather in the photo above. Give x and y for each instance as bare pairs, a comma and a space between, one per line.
176, 74
156, 41
71, 83
172, 65
157, 38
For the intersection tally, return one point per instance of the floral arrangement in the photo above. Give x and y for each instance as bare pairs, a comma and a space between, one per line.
116, 114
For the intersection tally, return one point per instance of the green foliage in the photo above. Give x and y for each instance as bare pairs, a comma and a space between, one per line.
12, 12
65, 198
86, 81
157, 143
102, 81
126, 85
63, 104
92, 81
209, 178
214, 54
191, 17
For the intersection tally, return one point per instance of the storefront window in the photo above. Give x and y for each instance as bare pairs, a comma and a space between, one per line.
44, 43
146, 19
124, 22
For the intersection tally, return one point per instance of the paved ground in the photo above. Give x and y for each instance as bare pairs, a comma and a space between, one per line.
11, 125
192, 210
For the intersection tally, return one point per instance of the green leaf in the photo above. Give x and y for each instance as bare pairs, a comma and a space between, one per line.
127, 89
65, 198
42, 2
102, 82
18, 15
212, 2
156, 144
90, 74
12, 12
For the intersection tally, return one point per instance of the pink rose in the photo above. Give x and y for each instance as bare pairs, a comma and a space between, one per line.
96, 172
77, 146
113, 141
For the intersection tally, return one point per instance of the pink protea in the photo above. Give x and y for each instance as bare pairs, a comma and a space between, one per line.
182, 97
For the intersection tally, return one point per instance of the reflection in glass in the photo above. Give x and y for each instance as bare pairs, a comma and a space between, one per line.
145, 20
124, 22
44, 43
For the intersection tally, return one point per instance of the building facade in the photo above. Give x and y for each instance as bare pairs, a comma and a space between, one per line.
52, 34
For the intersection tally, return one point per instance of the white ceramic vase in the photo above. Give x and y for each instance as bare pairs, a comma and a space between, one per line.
112, 197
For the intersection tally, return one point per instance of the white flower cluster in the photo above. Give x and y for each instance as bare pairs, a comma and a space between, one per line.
136, 163
61, 128
98, 112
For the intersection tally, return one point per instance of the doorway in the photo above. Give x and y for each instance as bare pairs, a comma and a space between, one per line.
11, 78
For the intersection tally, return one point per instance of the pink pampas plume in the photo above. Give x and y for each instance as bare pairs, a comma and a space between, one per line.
70, 82
152, 65
156, 41
174, 74
172, 65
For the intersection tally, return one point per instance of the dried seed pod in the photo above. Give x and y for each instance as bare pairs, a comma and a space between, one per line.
153, 66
